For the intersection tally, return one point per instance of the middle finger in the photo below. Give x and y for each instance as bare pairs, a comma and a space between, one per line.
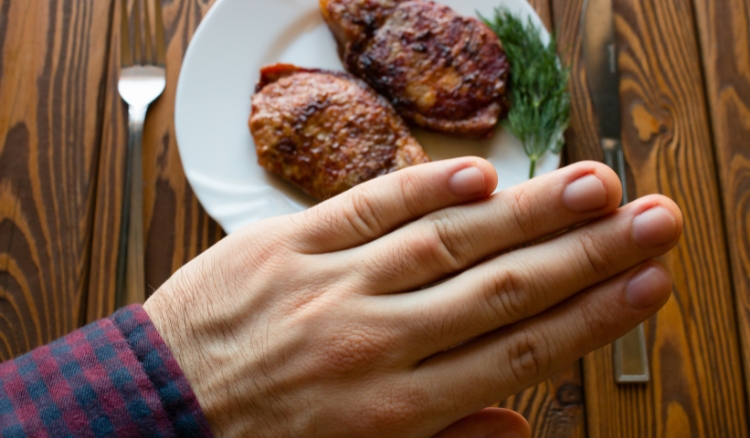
453, 239
524, 283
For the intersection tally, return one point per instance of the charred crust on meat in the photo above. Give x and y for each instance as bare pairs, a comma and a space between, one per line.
326, 131
441, 71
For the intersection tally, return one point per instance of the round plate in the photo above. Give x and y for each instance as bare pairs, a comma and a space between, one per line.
221, 67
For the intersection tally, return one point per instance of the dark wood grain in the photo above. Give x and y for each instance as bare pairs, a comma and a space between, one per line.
554, 408
108, 196
177, 227
581, 139
666, 133
50, 127
724, 30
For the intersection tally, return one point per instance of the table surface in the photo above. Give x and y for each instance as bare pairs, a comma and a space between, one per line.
685, 88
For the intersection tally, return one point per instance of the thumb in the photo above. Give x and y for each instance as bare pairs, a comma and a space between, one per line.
489, 423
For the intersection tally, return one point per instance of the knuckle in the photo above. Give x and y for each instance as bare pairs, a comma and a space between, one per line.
446, 242
397, 261
522, 208
434, 244
594, 319
595, 256
506, 298
318, 222
311, 221
362, 216
411, 190
323, 213
529, 356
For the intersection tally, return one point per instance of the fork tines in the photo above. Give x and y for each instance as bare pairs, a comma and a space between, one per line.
141, 38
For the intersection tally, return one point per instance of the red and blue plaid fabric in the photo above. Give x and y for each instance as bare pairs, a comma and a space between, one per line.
113, 378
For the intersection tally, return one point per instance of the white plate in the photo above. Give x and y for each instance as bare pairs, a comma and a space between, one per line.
221, 67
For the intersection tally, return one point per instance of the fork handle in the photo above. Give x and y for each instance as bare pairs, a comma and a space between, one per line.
131, 282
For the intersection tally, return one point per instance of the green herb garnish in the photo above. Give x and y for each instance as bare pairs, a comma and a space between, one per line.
540, 103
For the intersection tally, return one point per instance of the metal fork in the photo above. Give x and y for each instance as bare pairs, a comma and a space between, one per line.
142, 80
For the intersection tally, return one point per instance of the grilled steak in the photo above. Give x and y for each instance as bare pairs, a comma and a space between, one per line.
327, 131
440, 71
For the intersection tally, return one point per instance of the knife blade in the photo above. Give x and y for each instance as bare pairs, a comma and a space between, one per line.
600, 58
603, 78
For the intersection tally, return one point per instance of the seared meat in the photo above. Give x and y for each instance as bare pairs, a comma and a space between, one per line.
327, 131
440, 71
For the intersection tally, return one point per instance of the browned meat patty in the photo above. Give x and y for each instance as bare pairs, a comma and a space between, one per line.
327, 131
440, 71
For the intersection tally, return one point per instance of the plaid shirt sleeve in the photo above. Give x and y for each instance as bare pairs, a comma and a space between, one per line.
113, 378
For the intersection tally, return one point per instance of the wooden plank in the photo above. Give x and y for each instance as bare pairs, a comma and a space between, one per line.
554, 408
177, 227
108, 196
692, 341
51, 89
724, 29
581, 139
544, 10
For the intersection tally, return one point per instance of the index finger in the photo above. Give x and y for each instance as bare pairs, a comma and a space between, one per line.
379, 206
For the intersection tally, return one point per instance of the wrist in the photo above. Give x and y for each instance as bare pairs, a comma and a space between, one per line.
187, 329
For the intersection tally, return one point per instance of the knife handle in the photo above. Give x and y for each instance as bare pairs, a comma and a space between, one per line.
615, 159
629, 352
630, 357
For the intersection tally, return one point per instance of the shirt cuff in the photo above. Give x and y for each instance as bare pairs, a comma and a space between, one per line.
115, 377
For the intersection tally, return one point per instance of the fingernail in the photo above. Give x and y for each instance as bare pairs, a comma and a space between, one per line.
585, 194
654, 227
646, 288
469, 181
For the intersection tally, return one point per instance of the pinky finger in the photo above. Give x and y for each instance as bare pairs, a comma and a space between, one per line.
506, 361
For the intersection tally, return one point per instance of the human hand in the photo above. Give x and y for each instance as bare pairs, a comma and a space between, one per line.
328, 323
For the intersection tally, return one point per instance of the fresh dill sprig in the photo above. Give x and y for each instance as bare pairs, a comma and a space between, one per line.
539, 101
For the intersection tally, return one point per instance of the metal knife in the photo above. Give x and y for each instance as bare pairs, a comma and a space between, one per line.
600, 60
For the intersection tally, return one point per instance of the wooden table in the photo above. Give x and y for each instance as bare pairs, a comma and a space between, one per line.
686, 128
